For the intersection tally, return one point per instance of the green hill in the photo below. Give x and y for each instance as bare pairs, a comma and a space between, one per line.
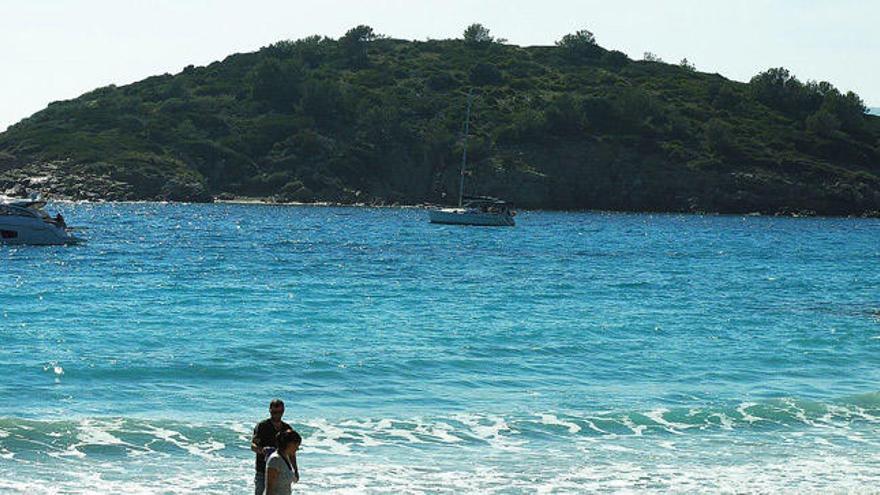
378, 120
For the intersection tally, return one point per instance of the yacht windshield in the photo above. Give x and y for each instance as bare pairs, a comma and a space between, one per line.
15, 211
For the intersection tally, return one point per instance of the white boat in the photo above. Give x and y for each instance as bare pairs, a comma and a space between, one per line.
474, 210
483, 211
23, 221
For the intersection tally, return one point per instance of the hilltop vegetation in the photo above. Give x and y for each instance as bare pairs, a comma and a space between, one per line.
372, 119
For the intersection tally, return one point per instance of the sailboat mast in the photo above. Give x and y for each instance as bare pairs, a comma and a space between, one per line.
467, 121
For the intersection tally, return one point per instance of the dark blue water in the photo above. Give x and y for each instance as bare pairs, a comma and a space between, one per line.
575, 352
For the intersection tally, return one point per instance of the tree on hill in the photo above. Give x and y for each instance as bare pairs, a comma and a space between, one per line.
719, 137
274, 85
849, 109
651, 57
823, 123
483, 74
564, 116
313, 50
354, 45
780, 89
323, 101
477, 34
580, 45
777, 88
615, 58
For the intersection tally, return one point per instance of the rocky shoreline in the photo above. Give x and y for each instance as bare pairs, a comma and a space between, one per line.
66, 180
43, 179
49, 180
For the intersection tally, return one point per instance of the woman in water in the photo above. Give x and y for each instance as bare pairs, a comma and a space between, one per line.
281, 469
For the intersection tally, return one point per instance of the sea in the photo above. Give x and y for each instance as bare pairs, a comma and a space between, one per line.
581, 352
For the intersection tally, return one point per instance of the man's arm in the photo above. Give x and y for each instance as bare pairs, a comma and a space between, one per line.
255, 441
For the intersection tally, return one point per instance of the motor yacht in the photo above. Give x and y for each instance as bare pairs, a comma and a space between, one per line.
23, 221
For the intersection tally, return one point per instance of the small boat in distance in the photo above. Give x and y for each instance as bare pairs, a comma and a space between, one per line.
23, 221
476, 210
473, 210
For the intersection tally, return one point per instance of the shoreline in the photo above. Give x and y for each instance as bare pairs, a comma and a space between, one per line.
268, 202
258, 201
26, 187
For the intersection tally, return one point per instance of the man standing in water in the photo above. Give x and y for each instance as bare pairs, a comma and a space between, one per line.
264, 436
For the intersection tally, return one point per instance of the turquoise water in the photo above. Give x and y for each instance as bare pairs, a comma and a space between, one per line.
576, 352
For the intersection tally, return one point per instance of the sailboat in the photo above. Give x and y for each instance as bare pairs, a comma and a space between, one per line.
473, 210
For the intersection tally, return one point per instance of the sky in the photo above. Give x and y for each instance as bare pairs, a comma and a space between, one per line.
58, 49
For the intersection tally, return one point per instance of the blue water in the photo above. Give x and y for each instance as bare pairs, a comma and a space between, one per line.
577, 352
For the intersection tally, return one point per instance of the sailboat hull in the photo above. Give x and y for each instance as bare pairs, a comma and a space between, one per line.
467, 216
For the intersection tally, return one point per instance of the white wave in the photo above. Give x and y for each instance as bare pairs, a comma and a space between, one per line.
493, 430
852, 411
798, 412
442, 432
590, 424
636, 429
326, 438
550, 419
725, 421
403, 434
92, 433
469, 452
713, 463
743, 410
670, 426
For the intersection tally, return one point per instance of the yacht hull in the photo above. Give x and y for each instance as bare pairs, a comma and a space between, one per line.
463, 216
33, 231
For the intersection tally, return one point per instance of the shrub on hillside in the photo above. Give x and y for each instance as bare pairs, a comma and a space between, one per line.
580, 46
719, 137
823, 123
485, 74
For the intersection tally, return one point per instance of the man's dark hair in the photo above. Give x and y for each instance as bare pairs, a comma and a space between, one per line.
276, 403
285, 438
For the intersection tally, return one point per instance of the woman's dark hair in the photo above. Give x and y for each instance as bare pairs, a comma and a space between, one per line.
285, 438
